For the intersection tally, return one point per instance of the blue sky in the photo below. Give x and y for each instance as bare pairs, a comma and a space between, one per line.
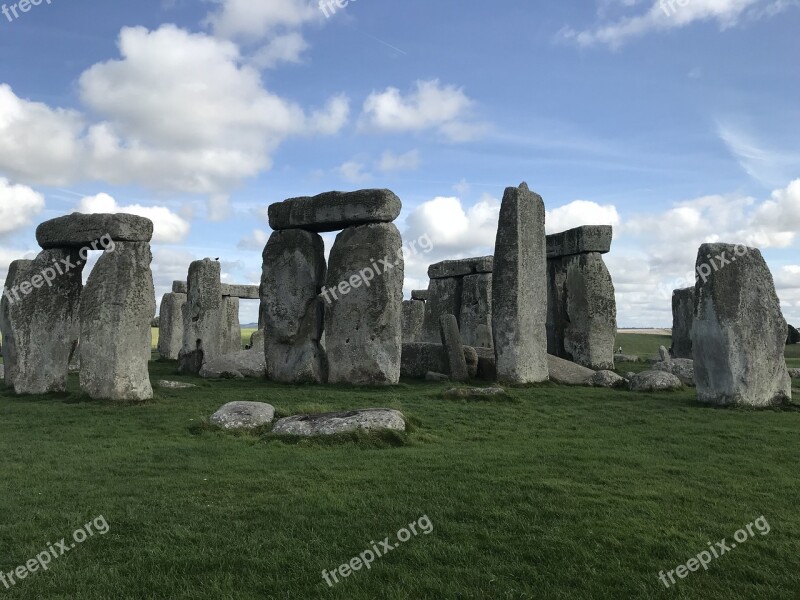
676, 124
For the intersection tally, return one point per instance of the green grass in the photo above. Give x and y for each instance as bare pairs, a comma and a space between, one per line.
560, 493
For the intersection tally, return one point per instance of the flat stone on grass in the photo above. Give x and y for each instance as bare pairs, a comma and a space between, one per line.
370, 419
243, 415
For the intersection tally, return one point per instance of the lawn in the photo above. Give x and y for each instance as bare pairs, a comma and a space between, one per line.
554, 493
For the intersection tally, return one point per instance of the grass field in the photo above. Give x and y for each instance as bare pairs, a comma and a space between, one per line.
553, 493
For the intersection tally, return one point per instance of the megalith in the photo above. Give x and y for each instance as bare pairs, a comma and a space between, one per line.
170, 329
8, 326
453, 347
203, 316
476, 308
682, 318
413, 317
519, 289
231, 327
739, 333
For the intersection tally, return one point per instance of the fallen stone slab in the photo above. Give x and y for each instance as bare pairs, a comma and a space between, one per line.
371, 419
79, 230
243, 292
175, 385
246, 363
580, 240
420, 295
473, 393
243, 415
682, 368
654, 381
333, 211
567, 373
607, 379
461, 267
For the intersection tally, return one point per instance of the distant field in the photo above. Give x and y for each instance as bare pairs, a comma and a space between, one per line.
246, 333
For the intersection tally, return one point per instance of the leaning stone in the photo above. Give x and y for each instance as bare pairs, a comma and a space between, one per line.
243, 292
580, 240
565, 372
421, 357
292, 275
243, 415
11, 323
654, 381
461, 267
606, 379
473, 393
420, 295
682, 318
78, 230
333, 211
476, 309
180, 287
245, 363
371, 419
413, 317
444, 299
203, 316
682, 368
454, 349
363, 319
170, 330
431, 376
519, 289
175, 385
739, 334
117, 306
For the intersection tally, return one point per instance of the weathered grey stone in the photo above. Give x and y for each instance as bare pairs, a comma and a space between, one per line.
519, 289
565, 372
245, 363
654, 381
180, 287
293, 274
682, 318
454, 349
175, 385
483, 335
663, 354
257, 339
793, 337
243, 415
461, 267
739, 333
606, 379
2, 372
473, 393
471, 358
581, 311
243, 292
170, 330
444, 299
420, 295
333, 211
363, 319
78, 230
580, 240
413, 317
9, 322
431, 376
117, 306
203, 316
794, 373
682, 368
487, 365
421, 357
371, 419
42, 320
230, 328
476, 309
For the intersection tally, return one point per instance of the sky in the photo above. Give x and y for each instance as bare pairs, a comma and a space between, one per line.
677, 122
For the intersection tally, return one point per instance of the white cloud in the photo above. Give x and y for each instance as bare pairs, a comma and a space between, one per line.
353, 171
287, 48
255, 241
19, 204
398, 162
580, 212
254, 19
169, 228
769, 166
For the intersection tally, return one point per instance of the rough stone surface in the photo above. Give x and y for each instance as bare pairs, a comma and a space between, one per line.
663, 354
654, 381
444, 299
333, 211
473, 393
175, 385
580, 240
203, 316
565, 372
117, 306
739, 333
230, 328
180, 287
682, 368
487, 366
78, 230
581, 311
245, 363
794, 373
471, 357
793, 337
431, 376
606, 379
682, 319
364, 325
421, 357
371, 419
420, 295
42, 320
519, 289
453, 347
292, 276
413, 317
243, 415
476, 308
243, 292
170, 329
483, 336
257, 339
11, 321
461, 267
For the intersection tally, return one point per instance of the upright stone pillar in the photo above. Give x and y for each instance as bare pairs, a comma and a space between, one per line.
519, 289
8, 328
202, 317
682, 319
293, 274
739, 333
476, 307
231, 328
413, 317
170, 330
117, 307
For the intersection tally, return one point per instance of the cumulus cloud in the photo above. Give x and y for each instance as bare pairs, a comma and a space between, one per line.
287, 48
255, 241
390, 161
168, 227
580, 212
254, 19
354, 172
19, 204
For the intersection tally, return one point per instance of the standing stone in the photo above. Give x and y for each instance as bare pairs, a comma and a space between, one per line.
363, 319
117, 307
293, 274
444, 298
682, 318
484, 337
476, 306
739, 333
413, 317
231, 328
454, 349
170, 330
202, 317
16, 273
519, 289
